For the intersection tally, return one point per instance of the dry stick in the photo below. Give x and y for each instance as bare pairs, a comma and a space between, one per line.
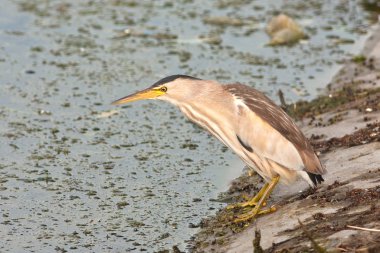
316, 246
256, 242
282, 99
176, 250
365, 229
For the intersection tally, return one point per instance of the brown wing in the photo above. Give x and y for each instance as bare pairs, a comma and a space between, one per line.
269, 112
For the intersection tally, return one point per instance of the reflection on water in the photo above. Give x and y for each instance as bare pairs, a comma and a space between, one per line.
75, 175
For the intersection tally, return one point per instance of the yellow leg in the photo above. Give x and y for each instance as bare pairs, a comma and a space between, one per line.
257, 209
251, 202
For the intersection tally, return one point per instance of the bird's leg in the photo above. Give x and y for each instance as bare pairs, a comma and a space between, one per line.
256, 210
253, 201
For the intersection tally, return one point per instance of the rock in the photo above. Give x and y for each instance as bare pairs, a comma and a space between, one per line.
284, 30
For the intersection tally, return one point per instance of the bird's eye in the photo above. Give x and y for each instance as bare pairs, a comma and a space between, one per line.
163, 89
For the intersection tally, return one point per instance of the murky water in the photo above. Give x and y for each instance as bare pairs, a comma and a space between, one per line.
77, 174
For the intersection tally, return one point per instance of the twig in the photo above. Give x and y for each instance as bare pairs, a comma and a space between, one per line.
315, 245
256, 243
365, 229
282, 99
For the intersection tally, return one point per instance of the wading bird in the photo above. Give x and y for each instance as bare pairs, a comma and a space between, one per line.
248, 122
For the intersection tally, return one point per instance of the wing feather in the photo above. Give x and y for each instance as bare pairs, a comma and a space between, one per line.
271, 132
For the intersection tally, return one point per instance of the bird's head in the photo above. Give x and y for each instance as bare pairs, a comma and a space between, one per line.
172, 88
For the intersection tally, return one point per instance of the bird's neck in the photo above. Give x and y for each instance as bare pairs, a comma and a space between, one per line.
212, 113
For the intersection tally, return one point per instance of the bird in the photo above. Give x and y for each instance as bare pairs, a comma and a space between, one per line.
258, 131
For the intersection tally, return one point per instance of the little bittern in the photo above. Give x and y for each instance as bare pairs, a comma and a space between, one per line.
248, 122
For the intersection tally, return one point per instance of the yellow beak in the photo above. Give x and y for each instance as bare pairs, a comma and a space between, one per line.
140, 95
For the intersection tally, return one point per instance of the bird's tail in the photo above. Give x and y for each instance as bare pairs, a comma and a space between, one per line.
315, 178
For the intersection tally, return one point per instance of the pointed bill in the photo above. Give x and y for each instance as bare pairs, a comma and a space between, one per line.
140, 95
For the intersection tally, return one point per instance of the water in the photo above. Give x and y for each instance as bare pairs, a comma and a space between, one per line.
80, 175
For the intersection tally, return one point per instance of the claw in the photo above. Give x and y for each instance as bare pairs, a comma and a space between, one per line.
258, 202
253, 213
250, 203
242, 205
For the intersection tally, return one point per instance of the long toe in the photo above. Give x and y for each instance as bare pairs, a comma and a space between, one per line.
249, 203
252, 214
247, 216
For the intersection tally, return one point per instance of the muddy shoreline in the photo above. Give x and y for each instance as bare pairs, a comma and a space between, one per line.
344, 128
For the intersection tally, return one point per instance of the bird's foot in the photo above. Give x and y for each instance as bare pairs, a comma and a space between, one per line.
258, 202
253, 213
249, 203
